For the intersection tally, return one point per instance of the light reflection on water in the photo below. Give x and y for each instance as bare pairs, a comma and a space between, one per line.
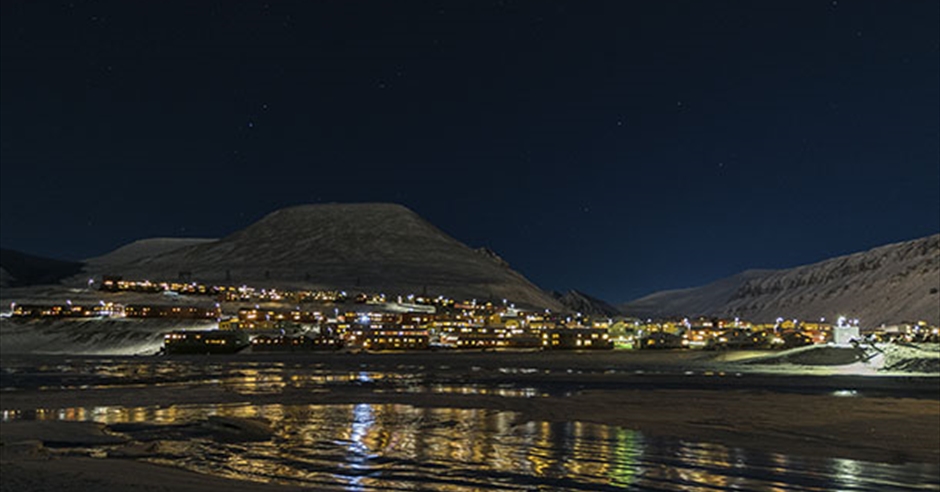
382, 446
241, 377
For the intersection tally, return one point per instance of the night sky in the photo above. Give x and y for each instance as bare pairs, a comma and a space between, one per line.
614, 147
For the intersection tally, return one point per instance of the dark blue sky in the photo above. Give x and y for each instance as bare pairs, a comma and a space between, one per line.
614, 147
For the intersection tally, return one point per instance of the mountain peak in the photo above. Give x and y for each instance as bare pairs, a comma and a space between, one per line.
369, 247
341, 207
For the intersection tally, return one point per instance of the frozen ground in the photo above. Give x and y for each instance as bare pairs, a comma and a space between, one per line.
88, 336
919, 358
887, 358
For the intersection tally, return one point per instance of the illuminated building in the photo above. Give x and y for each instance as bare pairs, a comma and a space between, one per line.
204, 342
576, 338
283, 343
172, 312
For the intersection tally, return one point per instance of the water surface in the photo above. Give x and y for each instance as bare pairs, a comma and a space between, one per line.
372, 446
402, 447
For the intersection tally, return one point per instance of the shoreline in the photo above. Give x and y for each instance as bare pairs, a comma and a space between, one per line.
858, 416
895, 431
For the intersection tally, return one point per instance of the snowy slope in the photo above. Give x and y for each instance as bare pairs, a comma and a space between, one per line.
355, 247
888, 284
89, 336
897, 282
692, 301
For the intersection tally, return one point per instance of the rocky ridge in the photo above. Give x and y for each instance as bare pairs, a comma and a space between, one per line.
888, 284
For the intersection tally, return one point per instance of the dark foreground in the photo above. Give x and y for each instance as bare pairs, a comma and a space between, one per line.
444, 421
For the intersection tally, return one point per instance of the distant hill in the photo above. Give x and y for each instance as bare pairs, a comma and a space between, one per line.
580, 302
888, 284
145, 248
691, 301
6, 280
354, 247
20, 269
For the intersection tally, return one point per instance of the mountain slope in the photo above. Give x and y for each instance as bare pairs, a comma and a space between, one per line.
145, 248
580, 302
6, 280
692, 301
20, 269
367, 247
888, 284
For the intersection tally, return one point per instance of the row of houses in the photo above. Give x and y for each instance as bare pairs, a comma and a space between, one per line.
245, 293
381, 339
112, 310
418, 330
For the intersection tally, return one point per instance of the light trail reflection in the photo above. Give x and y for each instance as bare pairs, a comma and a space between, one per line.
395, 446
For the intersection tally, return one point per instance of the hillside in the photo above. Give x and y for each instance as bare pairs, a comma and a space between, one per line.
888, 284
580, 302
692, 301
355, 247
145, 248
20, 269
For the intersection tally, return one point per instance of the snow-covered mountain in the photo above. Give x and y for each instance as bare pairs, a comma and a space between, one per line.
888, 284
692, 301
354, 247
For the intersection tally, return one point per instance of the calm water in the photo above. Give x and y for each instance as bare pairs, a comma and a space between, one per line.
393, 446
401, 447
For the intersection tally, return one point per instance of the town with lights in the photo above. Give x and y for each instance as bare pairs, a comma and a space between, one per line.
245, 318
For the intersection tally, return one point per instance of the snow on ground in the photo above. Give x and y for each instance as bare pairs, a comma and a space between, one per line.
812, 355
924, 357
884, 358
89, 336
